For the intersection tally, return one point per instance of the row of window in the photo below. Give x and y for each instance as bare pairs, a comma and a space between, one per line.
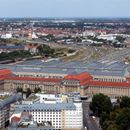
109, 80
38, 75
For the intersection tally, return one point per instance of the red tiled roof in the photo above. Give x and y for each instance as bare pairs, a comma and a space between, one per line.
84, 83
79, 77
86, 79
5, 72
83, 78
107, 84
34, 79
31, 46
15, 119
1, 78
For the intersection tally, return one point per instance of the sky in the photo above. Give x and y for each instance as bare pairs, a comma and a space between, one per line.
65, 8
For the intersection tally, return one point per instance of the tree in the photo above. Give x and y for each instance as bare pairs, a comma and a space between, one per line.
123, 119
106, 124
45, 50
110, 125
50, 37
71, 51
104, 117
125, 102
28, 92
14, 55
78, 39
19, 90
113, 127
37, 89
118, 120
120, 39
100, 103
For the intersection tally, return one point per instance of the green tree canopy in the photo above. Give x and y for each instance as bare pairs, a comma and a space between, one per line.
28, 92
125, 102
120, 38
19, 90
118, 119
45, 50
37, 89
106, 124
123, 119
100, 103
113, 127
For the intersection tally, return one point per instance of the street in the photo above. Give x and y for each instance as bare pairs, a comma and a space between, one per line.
88, 121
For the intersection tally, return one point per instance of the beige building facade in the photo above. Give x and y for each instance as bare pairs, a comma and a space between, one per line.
83, 83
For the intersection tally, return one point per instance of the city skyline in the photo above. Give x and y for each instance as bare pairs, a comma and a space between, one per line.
65, 8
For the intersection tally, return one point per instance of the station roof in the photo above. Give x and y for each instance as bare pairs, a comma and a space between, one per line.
115, 68
11, 47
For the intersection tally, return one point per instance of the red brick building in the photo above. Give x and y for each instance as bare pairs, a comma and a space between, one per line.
82, 83
4, 73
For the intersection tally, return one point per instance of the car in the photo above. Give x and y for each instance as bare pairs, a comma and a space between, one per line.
93, 117
85, 128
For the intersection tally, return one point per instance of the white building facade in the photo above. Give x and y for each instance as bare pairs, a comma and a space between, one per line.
61, 116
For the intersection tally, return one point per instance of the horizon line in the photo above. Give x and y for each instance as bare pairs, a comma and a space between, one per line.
39, 17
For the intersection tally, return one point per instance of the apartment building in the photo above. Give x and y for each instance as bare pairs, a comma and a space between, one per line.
59, 115
5, 109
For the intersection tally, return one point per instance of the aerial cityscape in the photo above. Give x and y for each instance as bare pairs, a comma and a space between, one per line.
64, 65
